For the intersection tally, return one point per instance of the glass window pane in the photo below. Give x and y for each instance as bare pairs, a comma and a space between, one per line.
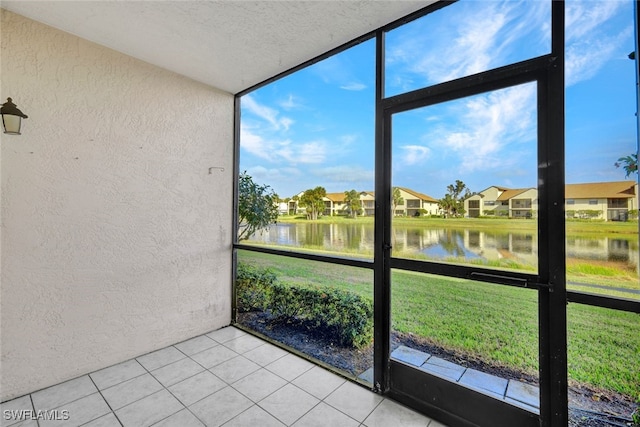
310, 137
322, 310
464, 179
465, 331
601, 197
465, 38
603, 363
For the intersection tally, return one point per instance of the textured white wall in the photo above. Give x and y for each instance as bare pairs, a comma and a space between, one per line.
115, 232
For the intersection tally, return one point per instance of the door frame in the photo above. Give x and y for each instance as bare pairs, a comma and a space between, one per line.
447, 401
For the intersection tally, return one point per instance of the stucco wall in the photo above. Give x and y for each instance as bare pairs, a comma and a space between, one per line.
116, 208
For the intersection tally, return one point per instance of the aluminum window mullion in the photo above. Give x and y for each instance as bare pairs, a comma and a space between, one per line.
552, 302
382, 231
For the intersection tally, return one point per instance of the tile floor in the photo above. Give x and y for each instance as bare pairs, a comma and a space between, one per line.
223, 378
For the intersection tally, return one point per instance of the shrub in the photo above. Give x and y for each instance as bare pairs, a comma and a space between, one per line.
344, 315
589, 213
252, 284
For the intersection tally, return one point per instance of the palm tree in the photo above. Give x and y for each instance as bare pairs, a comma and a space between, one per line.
396, 199
352, 198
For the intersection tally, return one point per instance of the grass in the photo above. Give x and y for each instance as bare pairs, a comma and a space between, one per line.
496, 324
574, 227
482, 321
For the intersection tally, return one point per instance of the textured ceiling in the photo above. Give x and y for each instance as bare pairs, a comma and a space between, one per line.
229, 44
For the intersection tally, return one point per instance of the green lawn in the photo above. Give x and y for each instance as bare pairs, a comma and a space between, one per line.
495, 323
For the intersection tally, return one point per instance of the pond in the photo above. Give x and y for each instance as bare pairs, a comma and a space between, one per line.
460, 245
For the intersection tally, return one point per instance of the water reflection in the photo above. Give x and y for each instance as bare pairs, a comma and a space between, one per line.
334, 237
460, 245
464, 245
604, 249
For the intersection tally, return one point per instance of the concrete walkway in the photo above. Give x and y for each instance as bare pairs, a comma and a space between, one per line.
515, 392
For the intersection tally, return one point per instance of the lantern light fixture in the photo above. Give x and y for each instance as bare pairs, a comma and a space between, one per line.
11, 117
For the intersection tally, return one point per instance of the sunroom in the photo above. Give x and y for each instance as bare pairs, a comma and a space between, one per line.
121, 257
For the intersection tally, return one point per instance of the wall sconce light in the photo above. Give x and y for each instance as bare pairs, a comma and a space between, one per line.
11, 117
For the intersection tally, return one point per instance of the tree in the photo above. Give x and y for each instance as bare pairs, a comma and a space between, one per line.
453, 201
352, 198
312, 200
257, 206
396, 199
628, 163
295, 200
447, 204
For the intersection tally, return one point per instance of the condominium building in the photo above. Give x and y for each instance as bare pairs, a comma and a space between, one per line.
609, 201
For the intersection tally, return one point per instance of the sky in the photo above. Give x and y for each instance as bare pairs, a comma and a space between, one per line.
315, 127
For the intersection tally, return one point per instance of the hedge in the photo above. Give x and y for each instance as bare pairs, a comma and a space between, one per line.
343, 314
252, 284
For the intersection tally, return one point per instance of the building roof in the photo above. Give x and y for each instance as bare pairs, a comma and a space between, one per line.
336, 197
479, 193
590, 190
508, 194
418, 195
601, 190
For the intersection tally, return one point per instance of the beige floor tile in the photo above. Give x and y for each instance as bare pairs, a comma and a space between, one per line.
354, 400
196, 345
288, 403
259, 384
290, 366
234, 369
324, 415
220, 407
391, 413
197, 387
149, 410
254, 416
130, 391
319, 382
265, 354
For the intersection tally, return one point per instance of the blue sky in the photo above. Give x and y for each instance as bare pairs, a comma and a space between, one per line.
316, 127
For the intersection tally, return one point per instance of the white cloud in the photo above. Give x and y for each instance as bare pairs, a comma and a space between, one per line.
254, 143
414, 154
291, 103
273, 176
583, 61
481, 36
266, 113
311, 152
354, 86
348, 139
281, 150
342, 71
286, 122
584, 17
345, 174
489, 128
592, 39
262, 134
